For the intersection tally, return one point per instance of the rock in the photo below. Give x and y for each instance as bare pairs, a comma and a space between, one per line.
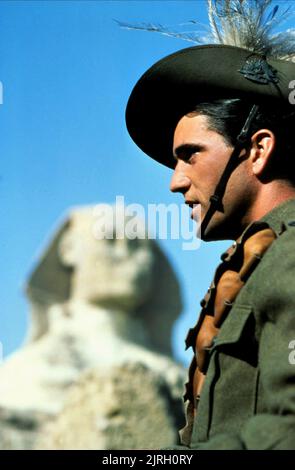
97, 304
131, 407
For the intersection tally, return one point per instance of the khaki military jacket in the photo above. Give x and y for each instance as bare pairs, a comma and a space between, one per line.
248, 398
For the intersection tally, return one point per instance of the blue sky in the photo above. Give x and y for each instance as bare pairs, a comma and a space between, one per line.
67, 70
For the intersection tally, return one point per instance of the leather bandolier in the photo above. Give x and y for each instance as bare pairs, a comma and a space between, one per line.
238, 263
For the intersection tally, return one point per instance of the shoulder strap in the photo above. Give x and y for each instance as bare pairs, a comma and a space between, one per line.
238, 263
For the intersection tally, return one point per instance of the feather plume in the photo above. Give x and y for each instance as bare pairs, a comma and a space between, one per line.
250, 24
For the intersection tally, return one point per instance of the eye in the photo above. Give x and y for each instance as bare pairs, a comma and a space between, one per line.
191, 158
188, 152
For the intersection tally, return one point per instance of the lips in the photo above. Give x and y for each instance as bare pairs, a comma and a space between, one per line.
191, 204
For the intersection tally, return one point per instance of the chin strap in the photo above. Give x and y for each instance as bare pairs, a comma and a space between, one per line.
216, 198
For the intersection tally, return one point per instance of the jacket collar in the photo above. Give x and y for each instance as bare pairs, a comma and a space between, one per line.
281, 215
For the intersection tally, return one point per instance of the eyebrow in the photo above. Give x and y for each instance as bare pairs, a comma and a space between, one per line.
184, 150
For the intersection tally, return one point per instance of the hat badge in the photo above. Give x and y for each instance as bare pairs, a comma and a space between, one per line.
258, 70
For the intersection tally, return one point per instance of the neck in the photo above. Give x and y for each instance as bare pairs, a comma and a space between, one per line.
270, 195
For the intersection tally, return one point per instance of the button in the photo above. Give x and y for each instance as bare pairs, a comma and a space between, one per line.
211, 346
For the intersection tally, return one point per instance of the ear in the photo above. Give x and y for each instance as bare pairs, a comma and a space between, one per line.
263, 145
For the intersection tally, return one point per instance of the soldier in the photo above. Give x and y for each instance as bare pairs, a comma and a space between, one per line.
221, 117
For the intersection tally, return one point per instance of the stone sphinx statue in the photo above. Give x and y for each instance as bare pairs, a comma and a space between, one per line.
100, 306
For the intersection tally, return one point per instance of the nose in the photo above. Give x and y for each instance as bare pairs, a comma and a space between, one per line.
180, 183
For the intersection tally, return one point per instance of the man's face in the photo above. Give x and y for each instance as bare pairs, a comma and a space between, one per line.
201, 156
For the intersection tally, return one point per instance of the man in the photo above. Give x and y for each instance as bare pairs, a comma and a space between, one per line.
221, 117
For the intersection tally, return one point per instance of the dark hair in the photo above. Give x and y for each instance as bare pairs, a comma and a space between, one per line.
228, 116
